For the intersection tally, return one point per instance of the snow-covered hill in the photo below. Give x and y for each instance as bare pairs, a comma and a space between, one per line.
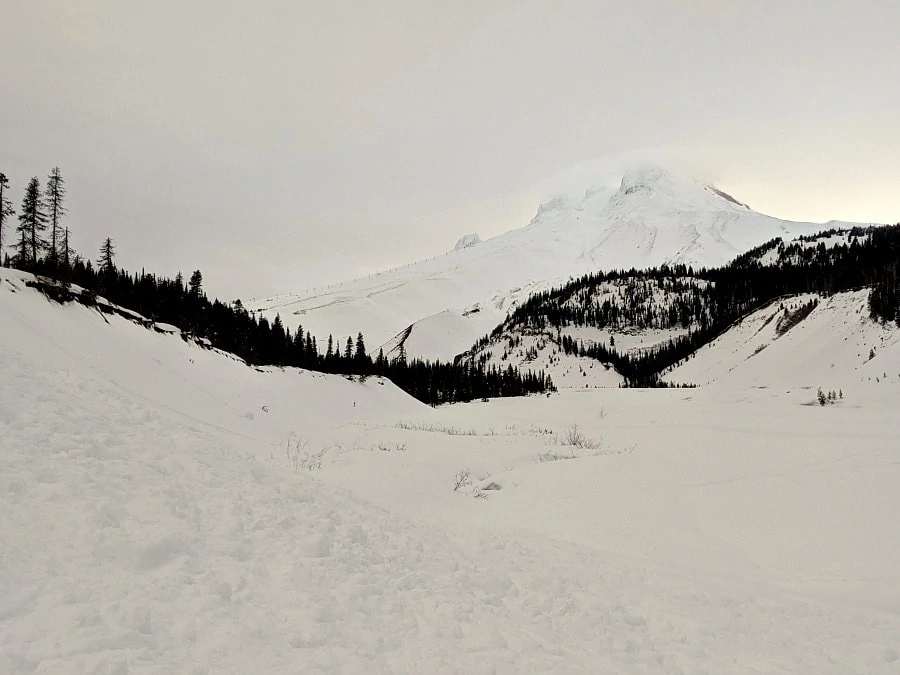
636, 304
801, 341
805, 341
210, 388
638, 216
167, 509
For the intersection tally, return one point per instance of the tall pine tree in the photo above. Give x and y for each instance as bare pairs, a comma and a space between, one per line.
32, 224
54, 197
196, 283
66, 250
106, 262
6, 208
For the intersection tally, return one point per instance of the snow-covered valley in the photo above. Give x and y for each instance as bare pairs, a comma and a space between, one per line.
167, 508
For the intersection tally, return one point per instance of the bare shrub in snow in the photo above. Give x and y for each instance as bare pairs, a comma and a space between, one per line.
554, 457
296, 449
384, 447
575, 437
435, 427
312, 461
300, 458
609, 452
461, 479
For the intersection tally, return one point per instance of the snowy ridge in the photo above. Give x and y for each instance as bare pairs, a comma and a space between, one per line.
639, 216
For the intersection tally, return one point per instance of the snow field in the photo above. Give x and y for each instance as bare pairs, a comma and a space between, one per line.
155, 520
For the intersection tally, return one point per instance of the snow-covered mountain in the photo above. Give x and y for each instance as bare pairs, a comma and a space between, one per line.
641, 216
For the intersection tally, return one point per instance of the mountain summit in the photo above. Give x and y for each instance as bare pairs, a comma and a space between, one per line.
641, 216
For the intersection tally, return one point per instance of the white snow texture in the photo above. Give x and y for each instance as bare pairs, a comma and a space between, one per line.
167, 509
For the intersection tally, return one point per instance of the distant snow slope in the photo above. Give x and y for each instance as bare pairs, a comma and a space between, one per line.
167, 509
638, 216
829, 348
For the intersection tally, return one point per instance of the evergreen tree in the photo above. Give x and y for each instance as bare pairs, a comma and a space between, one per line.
6, 207
106, 262
196, 283
362, 362
22, 255
55, 196
67, 250
32, 223
67, 257
348, 350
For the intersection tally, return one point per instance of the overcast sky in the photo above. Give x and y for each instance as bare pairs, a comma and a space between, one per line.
278, 144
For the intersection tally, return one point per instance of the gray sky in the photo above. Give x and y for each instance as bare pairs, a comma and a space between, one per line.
278, 144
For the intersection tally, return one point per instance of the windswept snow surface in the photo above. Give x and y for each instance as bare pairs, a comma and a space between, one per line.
632, 215
166, 509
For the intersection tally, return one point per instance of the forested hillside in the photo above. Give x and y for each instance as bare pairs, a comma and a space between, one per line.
697, 305
43, 248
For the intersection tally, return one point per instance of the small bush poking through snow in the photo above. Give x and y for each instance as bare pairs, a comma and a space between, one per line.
300, 458
554, 457
574, 437
384, 447
461, 479
437, 428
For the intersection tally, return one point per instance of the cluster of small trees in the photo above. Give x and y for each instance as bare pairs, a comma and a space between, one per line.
43, 244
41, 209
830, 397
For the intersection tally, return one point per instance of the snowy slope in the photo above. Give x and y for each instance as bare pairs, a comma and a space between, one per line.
829, 348
213, 389
156, 519
637, 216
